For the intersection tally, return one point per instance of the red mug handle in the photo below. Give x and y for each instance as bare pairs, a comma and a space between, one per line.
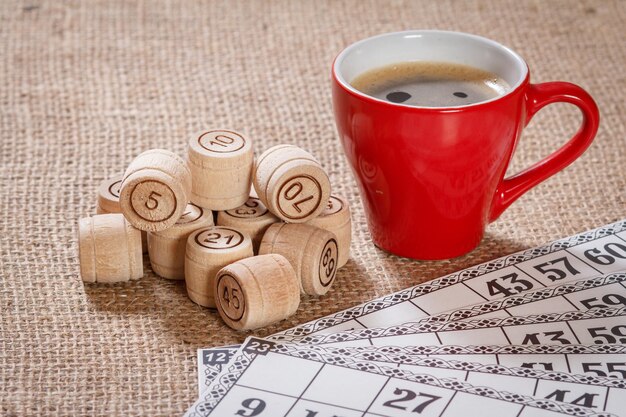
537, 97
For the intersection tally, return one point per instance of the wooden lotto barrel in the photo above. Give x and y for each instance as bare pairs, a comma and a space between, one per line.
208, 250
291, 183
313, 253
109, 249
252, 217
336, 218
109, 196
167, 247
109, 202
256, 292
155, 190
221, 163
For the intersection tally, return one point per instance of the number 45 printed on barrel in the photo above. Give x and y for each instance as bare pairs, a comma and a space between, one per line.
601, 256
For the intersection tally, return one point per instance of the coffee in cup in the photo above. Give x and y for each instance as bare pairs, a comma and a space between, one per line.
431, 84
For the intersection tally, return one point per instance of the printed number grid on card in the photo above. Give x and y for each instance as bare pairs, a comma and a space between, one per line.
593, 360
604, 246
603, 291
268, 379
597, 392
596, 252
595, 326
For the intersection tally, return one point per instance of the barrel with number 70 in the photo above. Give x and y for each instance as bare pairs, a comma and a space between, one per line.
291, 183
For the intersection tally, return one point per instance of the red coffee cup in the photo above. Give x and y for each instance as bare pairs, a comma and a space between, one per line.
431, 179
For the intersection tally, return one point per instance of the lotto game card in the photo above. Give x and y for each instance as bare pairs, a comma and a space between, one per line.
596, 252
596, 326
269, 379
537, 280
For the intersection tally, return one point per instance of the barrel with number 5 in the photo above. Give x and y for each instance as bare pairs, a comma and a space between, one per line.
252, 217
313, 253
256, 292
155, 190
221, 164
208, 250
291, 183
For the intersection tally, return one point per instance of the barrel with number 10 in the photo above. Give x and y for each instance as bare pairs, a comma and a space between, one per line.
221, 164
291, 183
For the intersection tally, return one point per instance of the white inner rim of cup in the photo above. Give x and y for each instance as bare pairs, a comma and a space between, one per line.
429, 45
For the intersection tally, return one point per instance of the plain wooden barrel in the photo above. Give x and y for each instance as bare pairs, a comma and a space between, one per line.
109, 249
336, 218
256, 292
291, 183
167, 247
155, 190
208, 250
313, 253
221, 164
252, 217
109, 202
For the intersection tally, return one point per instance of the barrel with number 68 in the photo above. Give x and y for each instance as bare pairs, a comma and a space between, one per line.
313, 253
208, 250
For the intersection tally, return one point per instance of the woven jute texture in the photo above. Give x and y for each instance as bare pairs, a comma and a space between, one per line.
86, 86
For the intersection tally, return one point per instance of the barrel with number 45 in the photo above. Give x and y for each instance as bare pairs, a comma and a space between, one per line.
256, 292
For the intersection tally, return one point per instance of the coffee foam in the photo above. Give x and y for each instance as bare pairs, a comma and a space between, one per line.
430, 84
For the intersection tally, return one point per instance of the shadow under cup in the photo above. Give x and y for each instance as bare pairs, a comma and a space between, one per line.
429, 177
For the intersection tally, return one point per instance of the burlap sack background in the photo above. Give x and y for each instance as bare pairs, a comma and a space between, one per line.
85, 86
